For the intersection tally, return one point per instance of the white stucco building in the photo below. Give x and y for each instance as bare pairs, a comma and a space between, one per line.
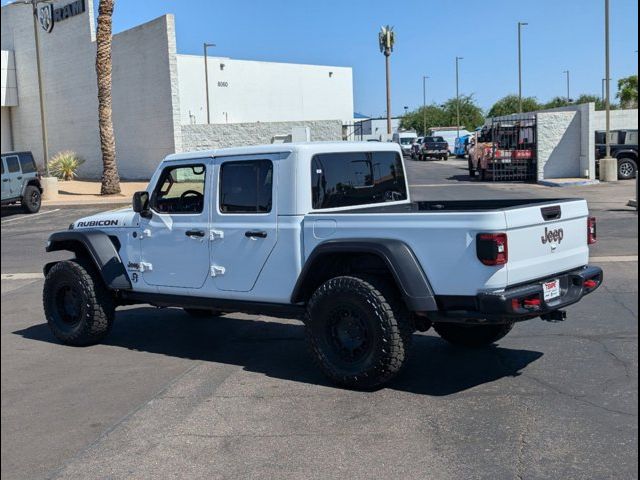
159, 96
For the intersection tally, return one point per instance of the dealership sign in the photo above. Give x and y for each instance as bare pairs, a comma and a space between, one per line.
48, 15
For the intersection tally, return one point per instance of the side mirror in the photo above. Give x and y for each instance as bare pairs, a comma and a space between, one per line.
141, 204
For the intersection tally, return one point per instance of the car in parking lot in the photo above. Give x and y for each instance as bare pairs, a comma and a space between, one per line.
325, 232
434, 147
624, 148
21, 181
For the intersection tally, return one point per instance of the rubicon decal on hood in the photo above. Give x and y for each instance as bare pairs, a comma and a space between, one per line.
97, 223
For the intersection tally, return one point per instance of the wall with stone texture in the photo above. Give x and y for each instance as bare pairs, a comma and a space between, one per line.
203, 137
559, 144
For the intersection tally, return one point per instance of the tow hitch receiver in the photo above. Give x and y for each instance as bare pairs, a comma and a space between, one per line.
555, 316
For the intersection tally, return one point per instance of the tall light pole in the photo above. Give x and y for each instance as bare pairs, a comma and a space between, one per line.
424, 104
43, 122
386, 40
206, 77
566, 72
458, 96
607, 80
520, 25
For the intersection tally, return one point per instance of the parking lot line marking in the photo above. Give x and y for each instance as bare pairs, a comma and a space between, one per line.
615, 258
22, 276
31, 215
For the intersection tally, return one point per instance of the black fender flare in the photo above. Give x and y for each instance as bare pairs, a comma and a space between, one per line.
627, 153
101, 251
396, 255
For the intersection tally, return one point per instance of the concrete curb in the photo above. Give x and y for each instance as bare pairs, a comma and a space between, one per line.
576, 183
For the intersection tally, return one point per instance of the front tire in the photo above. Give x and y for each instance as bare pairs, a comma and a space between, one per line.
473, 336
358, 335
31, 200
78, 307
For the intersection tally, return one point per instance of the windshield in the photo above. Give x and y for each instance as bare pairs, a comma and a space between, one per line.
433, 139
407, 140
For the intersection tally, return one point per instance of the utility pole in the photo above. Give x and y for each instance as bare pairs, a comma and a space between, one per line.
206, 77
568, 86
386, 40
608, 165
520, 25
424, 104
458, 97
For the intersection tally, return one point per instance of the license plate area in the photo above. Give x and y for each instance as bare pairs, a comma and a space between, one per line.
551, 289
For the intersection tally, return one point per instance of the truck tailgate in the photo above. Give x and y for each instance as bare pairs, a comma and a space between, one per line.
546, 239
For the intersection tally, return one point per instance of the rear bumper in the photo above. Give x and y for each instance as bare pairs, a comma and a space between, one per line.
572, 289
510, 304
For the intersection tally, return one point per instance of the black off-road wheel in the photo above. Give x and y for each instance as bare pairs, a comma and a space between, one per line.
473, 336
31, 200
201, 312
627, 168
358, 331
78, 307
472, 171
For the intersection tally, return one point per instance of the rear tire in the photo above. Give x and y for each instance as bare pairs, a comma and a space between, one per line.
473, 336
627, 168
78, 307
446, 157
358, 331
31, 200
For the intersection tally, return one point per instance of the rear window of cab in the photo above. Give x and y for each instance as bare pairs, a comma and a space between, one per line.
356, 178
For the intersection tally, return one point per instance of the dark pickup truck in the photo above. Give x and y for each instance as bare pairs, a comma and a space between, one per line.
624, 147
434, 147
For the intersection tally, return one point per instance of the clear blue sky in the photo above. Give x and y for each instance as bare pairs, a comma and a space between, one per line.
561, 35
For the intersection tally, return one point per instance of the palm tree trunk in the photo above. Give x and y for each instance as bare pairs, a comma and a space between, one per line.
110, 177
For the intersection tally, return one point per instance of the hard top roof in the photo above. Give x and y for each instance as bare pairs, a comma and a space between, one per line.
308, 147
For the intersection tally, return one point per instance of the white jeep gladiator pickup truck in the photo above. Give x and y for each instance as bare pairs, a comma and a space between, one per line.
325, 232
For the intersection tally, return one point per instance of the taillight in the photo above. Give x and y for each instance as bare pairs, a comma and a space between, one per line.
591, 231
492, 248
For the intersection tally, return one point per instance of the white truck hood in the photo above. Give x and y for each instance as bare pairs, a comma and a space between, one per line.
122, 218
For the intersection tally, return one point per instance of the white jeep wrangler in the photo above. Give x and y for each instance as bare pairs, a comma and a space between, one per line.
325, 232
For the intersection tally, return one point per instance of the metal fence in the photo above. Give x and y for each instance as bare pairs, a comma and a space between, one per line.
514, 151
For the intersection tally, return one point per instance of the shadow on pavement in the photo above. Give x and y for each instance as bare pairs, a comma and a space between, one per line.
278, 350
10, 210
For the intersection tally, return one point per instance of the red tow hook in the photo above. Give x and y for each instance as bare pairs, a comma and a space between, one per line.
590, 284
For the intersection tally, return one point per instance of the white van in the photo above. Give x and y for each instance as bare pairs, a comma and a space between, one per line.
405, 140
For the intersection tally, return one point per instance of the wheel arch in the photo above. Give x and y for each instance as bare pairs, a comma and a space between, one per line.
98, 247
393, 255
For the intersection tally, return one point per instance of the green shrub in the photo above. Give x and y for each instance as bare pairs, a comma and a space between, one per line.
64, 165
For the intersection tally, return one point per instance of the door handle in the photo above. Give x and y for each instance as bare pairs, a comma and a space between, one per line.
19, 178
5, 180
194, 233
255, 234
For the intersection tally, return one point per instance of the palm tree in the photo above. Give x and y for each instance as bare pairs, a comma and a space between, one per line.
386, 40
110, 177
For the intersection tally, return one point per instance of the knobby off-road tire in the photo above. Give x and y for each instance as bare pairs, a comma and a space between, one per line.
201, 312
31, 200
473, 336
78, 307
359, 331
626, 168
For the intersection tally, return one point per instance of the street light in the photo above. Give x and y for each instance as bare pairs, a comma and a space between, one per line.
43, 124
424, 104
520, 25
458, 97
206, 76
386, 40
568, 86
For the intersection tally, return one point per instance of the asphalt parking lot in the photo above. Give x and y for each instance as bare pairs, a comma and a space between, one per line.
167, 396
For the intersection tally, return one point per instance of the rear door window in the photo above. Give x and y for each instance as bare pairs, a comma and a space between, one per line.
356, 178
27, 164
246, 186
